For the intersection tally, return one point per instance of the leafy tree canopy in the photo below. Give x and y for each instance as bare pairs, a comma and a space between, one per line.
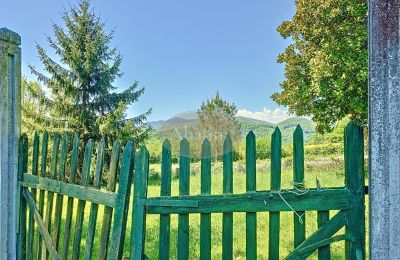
80, 87
326, 65
217, 120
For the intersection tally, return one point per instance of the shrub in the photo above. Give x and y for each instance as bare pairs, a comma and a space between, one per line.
324, 149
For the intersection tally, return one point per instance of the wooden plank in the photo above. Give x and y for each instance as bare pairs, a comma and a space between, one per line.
48, 242
325, 251
108, 211
94, 207
50, 195
60, 198
205, 218
227, 217
324, 242
122, 206
42, 173
31, 223
21, 205
70, 202
274, 216
298, 182
139, 212
251, 217
88, 194
166, 169
76, 248
184, 185
354, 179
260, 201
326, 231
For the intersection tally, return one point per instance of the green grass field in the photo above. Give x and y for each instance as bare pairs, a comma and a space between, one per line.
329, 171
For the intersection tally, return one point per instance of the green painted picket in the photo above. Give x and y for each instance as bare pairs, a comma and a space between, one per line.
44, 232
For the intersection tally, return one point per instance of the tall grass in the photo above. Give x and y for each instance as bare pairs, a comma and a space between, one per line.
329, 172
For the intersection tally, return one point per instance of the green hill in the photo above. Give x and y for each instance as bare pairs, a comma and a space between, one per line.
184, 124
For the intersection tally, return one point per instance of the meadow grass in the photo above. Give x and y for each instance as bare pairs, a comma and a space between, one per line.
329, 172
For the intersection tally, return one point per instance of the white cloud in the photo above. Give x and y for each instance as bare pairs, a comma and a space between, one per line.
273, 116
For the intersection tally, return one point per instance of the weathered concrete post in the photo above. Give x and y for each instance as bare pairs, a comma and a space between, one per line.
384, 128
10, 96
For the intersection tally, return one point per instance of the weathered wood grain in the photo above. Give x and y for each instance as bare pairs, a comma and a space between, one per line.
139, 211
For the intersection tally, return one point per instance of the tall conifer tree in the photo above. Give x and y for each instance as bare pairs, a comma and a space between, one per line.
80, 86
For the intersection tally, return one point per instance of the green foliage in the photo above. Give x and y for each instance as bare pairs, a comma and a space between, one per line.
217, 120
326, 65
80, 88
33, 114
263, 129
324, 149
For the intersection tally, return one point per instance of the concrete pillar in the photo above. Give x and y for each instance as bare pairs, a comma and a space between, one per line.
10, 96
384, 128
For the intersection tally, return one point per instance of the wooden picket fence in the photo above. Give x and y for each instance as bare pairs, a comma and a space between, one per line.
348, 201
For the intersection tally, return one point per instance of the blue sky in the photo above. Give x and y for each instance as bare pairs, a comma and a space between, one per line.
181, 51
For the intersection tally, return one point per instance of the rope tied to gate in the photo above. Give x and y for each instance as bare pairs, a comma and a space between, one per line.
299, 189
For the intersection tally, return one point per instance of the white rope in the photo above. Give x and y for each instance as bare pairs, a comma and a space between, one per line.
299, 189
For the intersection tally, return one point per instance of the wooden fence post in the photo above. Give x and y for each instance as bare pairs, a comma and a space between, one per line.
354, 178
10, 87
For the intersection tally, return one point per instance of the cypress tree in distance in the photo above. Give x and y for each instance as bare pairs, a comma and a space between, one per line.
80, 88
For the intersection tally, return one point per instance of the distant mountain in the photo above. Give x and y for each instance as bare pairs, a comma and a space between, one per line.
156, 124
182, 122
259, 127
305, 123
188, 115
288, 126
251, 120
177, 122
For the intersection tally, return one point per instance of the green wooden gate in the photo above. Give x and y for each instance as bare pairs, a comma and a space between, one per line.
55, 237
38, 189
348, 201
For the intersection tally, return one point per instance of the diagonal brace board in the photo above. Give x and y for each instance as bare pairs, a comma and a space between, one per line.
41, 226
323, 233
